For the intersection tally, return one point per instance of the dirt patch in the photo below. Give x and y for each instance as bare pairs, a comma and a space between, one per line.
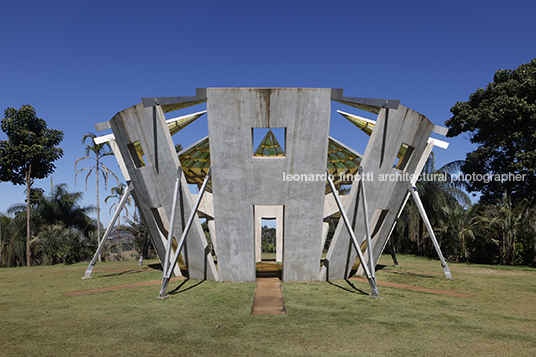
268, 298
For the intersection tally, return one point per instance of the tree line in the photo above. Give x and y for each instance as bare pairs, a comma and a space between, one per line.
497, 232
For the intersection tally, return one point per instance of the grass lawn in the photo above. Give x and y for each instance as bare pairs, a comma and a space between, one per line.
203, 318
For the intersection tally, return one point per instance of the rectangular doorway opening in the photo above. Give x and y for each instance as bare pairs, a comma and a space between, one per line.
268, 240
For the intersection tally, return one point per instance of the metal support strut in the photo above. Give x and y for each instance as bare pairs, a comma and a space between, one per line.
118, 210
418, 202
369, 275
372, 264
171, 263
172, 223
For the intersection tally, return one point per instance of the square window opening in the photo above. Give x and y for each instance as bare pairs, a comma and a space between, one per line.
269, 142
404, 155
137, 155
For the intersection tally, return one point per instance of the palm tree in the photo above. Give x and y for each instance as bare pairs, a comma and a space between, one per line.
117, 193
461, 228
60, 214
62, 206
436, 191
4, 222
508, 221
99, 151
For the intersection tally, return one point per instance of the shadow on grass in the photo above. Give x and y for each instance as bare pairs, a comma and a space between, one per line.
156, 266
178, 290
410, 273
131, 271
353, 290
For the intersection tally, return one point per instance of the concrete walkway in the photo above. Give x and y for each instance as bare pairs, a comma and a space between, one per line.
268, 298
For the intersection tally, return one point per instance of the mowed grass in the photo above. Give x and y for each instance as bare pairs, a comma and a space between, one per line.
203, 318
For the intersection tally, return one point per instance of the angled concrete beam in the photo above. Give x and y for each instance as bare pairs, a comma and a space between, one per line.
440, 130
176, 102
102, 126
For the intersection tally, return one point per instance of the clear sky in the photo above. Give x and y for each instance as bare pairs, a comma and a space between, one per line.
80, 62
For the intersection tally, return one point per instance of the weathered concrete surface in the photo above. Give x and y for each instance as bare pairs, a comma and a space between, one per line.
244, 186
154, 182
241, 181
403, 126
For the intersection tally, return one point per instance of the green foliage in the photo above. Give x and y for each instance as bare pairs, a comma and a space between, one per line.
59, 244
140, 235
61, 228
507, 222
29, 153
30, 143
437, 195
461, 229
495, 233
501, 119
117, 194
268, 239
62, 206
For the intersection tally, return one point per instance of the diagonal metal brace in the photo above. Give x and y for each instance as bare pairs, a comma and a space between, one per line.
118, 210
372, 266
370, 277
167, 272
428, 225
172, 223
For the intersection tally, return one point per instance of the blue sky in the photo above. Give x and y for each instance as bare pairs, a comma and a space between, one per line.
80, 62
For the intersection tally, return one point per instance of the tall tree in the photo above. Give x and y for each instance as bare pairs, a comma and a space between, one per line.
460, 228
96, 152
28, 154
501, 119
508, 220
2, 219
62, 206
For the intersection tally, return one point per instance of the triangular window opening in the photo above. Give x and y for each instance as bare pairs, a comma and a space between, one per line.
272, 144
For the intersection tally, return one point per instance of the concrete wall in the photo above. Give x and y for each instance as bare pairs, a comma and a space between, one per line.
241, 181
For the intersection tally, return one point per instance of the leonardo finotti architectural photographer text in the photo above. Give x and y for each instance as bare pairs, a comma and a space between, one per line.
404, 176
